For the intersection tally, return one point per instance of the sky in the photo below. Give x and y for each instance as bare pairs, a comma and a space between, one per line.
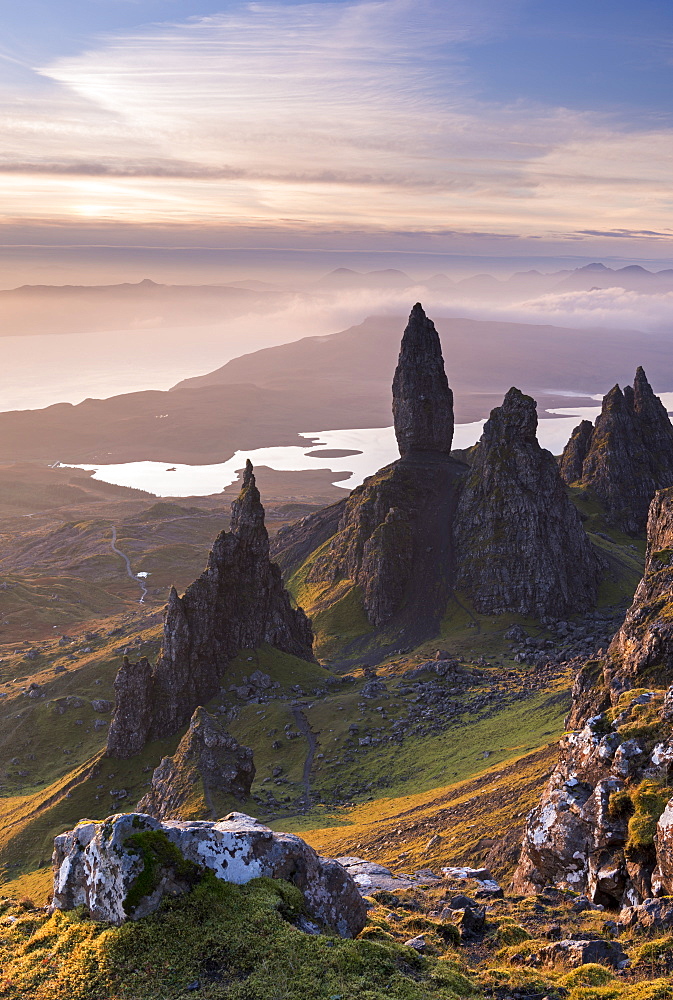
516, 129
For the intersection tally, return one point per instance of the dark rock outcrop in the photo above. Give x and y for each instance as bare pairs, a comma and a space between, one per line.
520, 544
498, 526
575, 452
627, 456
238, 602
605, 822
422, 399
394, 541
208, 764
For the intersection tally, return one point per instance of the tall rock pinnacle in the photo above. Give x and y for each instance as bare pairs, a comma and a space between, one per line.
422, 399
626, 456
238, 602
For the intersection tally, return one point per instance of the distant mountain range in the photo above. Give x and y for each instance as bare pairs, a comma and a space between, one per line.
39, 309
631, 278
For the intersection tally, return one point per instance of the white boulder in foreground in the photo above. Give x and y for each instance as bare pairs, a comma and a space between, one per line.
96, 866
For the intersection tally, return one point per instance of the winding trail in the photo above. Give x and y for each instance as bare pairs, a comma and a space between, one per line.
136, 579
304, 727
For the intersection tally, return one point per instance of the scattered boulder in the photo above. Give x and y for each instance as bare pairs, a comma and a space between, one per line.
208, 763
572, 954
652, 914
98, 865
417, 943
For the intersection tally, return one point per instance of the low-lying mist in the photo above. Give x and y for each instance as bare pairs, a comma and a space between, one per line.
63, 344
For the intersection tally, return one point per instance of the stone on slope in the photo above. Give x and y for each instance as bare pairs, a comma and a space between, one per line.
520, 544
97, 865
627, 456
573, 954
208, 762
238, 602
422, 399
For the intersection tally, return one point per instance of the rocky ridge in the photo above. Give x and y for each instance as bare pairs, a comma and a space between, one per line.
208, 763
238, 602
605, 823
497, 526
626, 456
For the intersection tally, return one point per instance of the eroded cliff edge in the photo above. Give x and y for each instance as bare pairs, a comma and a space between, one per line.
605, 823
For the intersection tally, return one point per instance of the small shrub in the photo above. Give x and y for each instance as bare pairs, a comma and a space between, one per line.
620, 804
658, 952
589, 975
450, 933
649, 800
508, 934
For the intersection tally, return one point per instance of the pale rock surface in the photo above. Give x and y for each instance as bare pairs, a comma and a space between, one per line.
94, 867
571, 839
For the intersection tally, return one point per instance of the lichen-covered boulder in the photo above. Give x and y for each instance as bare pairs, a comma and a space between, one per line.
122, 867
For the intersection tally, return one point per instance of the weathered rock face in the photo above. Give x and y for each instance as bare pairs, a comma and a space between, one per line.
208, 763
394, 540
605, 823
238, 602
520, 544
574, 453
422, 399
627, 456
642, 651
97, 865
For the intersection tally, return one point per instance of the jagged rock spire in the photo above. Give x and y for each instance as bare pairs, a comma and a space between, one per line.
208, 764
422, 399
238, 602
574, 453
627, 456
247, 513
520, 544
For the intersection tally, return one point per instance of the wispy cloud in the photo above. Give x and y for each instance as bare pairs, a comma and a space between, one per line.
356, 116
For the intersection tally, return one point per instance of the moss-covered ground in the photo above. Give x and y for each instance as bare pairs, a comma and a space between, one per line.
228, 942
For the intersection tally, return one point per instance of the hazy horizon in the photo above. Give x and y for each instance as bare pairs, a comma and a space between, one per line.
360, 129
